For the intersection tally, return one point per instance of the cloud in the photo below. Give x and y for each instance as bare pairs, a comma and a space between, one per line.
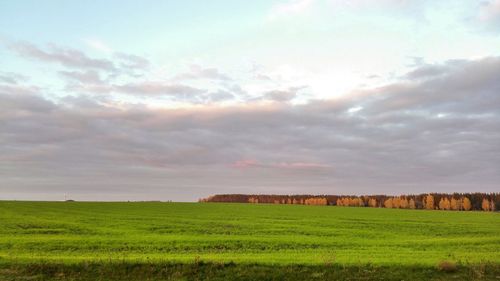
415, 135
18, 89
98, 45
73, 59
64, 56
248, 163
89, 81
244, 164
490, 11
198, 72
220, 95
129, 61
159, 88
360, 4
426, 71
290, 8
282, 95
11, 78
87, 77
301, 165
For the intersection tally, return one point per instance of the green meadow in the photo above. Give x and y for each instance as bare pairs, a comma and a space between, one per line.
185, 241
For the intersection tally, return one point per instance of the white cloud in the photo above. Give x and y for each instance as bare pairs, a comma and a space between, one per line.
291, 8
98, 45
490, 11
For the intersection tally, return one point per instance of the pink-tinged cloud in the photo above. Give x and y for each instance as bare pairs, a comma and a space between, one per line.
243, 164
301, 165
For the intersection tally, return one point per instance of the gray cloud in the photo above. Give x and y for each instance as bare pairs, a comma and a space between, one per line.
99, 76
440, 133
130, 61
17, 89
83, 66
64, 56
86, 77
198, 72
11, 78
426, 71
158, 88
282, 95
89, 81
220, 95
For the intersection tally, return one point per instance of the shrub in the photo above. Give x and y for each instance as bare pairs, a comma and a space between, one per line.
447, 266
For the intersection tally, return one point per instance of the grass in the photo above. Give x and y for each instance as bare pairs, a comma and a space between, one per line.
232, 271
176, 239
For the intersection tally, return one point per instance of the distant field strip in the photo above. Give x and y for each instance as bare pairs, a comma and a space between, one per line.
72, 232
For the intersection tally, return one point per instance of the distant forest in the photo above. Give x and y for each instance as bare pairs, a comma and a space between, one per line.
433, 201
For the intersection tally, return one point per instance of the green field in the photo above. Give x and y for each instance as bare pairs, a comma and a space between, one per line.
64, 236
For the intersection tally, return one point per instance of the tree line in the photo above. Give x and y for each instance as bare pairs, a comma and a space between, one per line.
432, 201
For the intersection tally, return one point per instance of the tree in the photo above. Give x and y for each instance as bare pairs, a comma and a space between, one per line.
447, 203
497, 204
322, 201
441, 204
372, 202
456, 201
352, 201
454, 204
396, 202
404, 203
388, 203
444, 204
429, 202
466, 205
316, 201
361, 202
339, 202
485, 205
411, 204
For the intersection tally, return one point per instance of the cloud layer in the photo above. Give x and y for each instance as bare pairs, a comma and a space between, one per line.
437, 128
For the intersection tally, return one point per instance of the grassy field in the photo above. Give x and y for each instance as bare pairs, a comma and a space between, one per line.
176, 240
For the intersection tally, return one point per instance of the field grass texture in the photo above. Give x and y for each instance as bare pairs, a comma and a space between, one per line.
68, 234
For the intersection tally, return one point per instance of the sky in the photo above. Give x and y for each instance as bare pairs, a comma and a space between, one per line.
178, 100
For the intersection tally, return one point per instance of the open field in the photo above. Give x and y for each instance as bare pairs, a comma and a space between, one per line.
182, 237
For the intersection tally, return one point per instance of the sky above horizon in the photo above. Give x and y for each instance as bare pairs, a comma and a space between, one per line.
178, 100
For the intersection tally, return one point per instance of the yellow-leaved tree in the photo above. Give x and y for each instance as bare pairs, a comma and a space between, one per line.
485, 205
454, 204
404, 203
396, 202
372, 202
466, 205
441, 204
411, 204
339, 202
447, 204
444, 204
388, 203
429, 202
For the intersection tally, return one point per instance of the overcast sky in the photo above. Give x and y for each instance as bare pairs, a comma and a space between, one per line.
177, 100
